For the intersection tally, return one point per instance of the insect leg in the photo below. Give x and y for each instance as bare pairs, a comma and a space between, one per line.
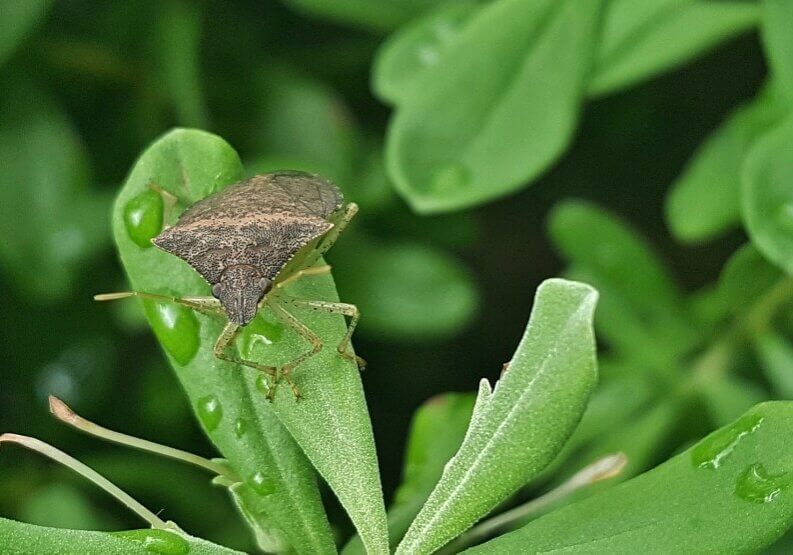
327, 242
336, 308
225, 340
313, 271
204, 305
316, 343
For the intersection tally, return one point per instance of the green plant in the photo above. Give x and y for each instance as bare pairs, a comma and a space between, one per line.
562, 452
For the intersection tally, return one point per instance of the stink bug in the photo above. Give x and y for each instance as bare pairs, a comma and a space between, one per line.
250, 240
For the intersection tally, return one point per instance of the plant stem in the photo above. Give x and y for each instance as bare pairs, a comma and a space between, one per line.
88, 473
62, 412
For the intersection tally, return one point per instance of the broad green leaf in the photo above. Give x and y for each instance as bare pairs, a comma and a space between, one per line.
302, 119
18, 538
416, 48
767, 195
50, 220
378, 15
730, 493
178, 40
777, 20
641, 309
19, 17
498, 109
745, 277
705, 199
776, 357
518, 427
437, 430
406, 291
642, 39
278, 481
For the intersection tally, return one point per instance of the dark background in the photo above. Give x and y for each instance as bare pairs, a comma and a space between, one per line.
98, 63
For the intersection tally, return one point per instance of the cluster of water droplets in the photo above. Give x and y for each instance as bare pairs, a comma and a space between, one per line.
754, 483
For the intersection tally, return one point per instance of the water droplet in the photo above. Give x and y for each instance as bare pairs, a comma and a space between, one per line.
157, 541
241, 427
176, 327
210, 411
756, 484
262, 332
263, 383
784, 217
261, 484
450, 178
143, 217
712, 451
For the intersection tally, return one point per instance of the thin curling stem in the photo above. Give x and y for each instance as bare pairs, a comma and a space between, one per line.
62, 412
87, 472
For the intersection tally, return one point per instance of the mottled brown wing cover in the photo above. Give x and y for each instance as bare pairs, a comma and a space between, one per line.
262, 221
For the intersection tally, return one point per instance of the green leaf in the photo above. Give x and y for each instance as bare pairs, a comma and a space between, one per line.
745, 277
767, 195
278, 478
776, 356
641, 311
303, 120
50, 220
437, 430
730, 493
642, 39
178, 38
518, 427
378, 15
406, 291
416, 48
777, 20
705, 200
480, 130
19, 17
20, 538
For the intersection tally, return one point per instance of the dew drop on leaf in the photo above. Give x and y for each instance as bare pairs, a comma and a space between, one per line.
756, 484
157, 541
450, 178
241, 427
262, 331
143, 217
712, 451
176, 327
261, 484
263, 384
210, 411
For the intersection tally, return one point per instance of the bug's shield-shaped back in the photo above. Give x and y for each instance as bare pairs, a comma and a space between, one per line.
262, 222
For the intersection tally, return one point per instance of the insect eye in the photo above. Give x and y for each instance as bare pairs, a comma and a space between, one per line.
216, 290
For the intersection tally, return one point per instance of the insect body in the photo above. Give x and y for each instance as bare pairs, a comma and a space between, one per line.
251, 239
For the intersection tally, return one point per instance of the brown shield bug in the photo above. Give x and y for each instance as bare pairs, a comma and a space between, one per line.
248, 241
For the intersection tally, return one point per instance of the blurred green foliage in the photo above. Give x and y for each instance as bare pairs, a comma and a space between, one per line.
628, 105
